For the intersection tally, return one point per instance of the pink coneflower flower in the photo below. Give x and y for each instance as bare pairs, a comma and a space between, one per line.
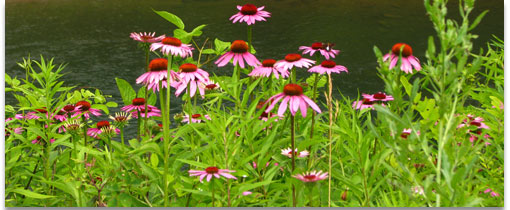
146, 37
195, 118
94, 132
60, 116
267, 68
266, 116
84, 108
72, 126
192, 76
181, 86
157, 73
28, 116
209, 85
173, 46
238, 52
294, 60
288, 152
378, 97
493, 194
137, 104
473, 121
408, 60
249, 13
328, 67
418, 190
364, 104
406, 132
70, 109
293, 97
121, 118
8, 131
38, 140
325, 51
152, 111
312, 176
212, 171
245, 193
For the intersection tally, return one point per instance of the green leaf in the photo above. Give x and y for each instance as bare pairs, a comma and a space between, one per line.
30, 194
181, 34
408, 87
194, 163
220, 46
111, 104
171, 18
102, 107
154, 160
197, 31
126, 91
208, 51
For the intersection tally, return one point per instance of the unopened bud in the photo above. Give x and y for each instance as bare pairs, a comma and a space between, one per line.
344, 195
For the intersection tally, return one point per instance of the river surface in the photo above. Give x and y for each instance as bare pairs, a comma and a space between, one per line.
93, 36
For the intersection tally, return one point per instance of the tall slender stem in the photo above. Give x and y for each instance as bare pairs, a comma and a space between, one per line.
314, 97
165, 143
146, 89
292, 136
249, 37
140, 123
212, 191
122, 135
85, 127
330, 110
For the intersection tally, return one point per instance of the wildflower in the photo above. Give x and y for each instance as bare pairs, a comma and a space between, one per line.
365, 103
137, 104
311, 176
238, 52
84, 108
267, 115
406, 132
294, 60
195, 118
417, 190
408, 60
267, 68
157, 73
173, 46
473, 121
328, 67
245, 193
191, 76
380, 96
212, 171
319, 46
38, 140
100, 128
288, 152
208, 85
121, 119
8, 131
73, 126
61, 116
249, 13
109, 131
146, 37
151, 111
293, 97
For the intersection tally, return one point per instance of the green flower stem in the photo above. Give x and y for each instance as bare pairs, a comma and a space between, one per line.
85, 127
212, 191
330, 110
122, 135
293, 75
292, 135
314, 97
165, 145
249, 37
146, 90
140, 123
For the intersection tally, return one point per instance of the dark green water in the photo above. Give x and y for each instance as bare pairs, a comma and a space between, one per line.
93, 36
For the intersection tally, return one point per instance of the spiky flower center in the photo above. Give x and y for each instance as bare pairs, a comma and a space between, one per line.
292, 57
293, 153
142, 110
264, 114
406, 50
317, 46
120, 118
172, 41
196, 116
367, 101
102, 124
69, 108
41, 110
475, 123
404, 135
85, 106
249, 9
188, 67
211, 86
146, 37
379, 96
268, 62
212, 170
310, 177
239, 46
328, 64
292, 90
158, 64
138, 101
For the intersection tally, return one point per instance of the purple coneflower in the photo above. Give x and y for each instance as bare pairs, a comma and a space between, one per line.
173, 46
152, 111
195, 118
100, 126
328, 67
294, 60
192, 76
209, 85
38, 140
312, 176
249, 13
288, 152
212, 171
146, 37
84, 108
293, 97
319, 46
137, 104
238, 52
406, 132
408, 60
121, 118
364, 104
378, 97
267, 68
157, 73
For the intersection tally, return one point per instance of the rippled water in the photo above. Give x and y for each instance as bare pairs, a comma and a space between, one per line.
93, 36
